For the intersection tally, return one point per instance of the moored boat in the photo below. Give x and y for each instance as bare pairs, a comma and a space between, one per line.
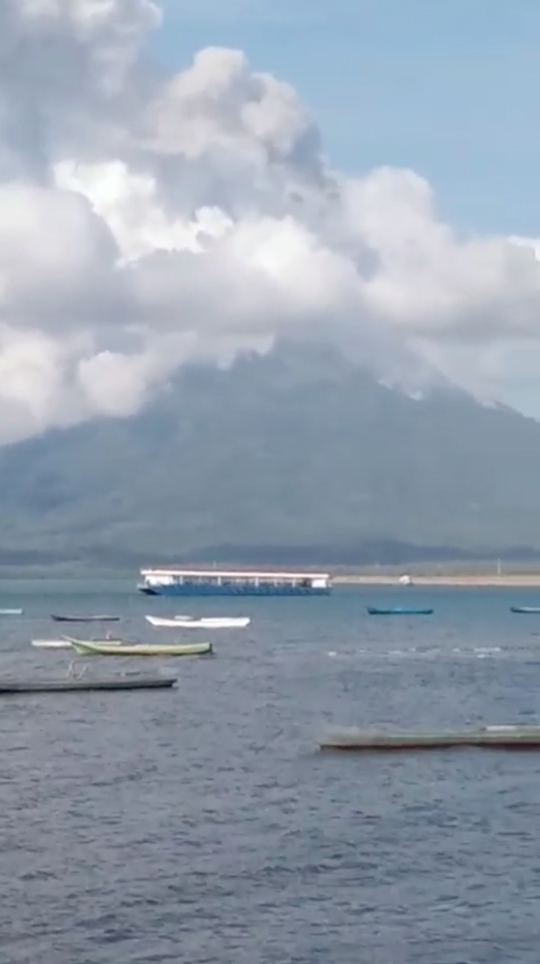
51, 643
199, 622
85, 619
8, 687
525, 609
88, 648
64, 642
398, 611
227, 582
11, 612
501, 737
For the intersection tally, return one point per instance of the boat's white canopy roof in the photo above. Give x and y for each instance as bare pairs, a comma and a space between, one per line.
234, 573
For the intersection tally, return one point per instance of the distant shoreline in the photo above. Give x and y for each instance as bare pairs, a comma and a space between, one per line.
119, 577
519, 580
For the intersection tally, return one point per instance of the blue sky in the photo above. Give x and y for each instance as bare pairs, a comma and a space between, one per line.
451, 89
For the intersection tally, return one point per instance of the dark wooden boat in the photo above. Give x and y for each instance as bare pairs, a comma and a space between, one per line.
85, 619
512, 737
68, 685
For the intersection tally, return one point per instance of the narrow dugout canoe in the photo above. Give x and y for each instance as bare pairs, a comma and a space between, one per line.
497, 737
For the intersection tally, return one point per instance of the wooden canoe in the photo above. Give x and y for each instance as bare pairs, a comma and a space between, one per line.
69, 685
85, 619
65, 642
497, 737
88, 648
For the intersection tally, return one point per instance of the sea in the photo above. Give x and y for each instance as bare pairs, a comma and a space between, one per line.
204, 825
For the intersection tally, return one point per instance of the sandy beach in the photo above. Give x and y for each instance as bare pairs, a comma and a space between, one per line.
523, 580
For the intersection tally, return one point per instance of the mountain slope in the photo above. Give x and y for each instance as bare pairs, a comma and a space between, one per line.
297, 449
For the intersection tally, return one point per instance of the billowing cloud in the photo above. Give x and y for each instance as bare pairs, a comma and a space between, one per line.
147, 222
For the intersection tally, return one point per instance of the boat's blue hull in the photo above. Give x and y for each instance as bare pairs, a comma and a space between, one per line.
241, 589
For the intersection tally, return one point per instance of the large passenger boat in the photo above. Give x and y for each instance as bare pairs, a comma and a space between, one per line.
225, 582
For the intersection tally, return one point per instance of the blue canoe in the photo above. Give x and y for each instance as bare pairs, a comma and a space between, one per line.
525, 609
398, 611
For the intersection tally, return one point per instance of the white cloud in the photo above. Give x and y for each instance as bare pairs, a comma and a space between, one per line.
148, 222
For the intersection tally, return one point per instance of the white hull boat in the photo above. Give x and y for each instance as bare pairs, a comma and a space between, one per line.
51, 644
199, 622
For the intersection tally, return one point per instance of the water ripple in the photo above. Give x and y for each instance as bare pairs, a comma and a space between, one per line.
203, 826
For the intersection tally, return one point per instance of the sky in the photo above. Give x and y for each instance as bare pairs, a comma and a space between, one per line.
450, 88
183, 183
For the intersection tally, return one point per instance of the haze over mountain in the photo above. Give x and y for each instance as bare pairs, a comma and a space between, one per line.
159, 235
298, 455
150, 221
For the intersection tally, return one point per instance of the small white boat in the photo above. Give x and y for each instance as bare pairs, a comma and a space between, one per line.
199, 622
11, 612
65, 642
51, 643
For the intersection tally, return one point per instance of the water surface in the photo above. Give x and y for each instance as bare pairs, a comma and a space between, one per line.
203, 825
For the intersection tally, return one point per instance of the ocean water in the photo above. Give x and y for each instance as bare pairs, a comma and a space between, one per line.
202, 825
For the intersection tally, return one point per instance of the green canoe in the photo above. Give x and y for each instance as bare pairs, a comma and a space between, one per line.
87, 648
